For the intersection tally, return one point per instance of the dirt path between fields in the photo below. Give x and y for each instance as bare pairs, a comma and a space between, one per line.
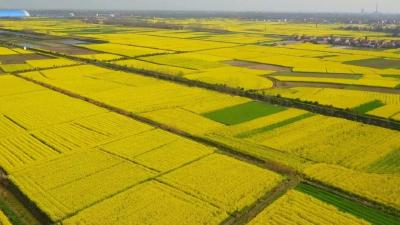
15, 207
251, 212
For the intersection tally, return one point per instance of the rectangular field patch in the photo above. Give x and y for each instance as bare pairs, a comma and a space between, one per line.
378, 63
374, 216
369, 106
274, 125
243, 112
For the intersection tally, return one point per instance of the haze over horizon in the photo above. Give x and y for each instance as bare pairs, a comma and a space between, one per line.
385, 6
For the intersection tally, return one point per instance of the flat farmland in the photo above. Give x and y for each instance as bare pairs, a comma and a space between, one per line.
196, 121
93, 143
323, 139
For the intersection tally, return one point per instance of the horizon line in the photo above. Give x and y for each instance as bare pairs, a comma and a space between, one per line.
208, 11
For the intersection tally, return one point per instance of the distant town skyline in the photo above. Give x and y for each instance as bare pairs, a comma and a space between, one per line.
385, 6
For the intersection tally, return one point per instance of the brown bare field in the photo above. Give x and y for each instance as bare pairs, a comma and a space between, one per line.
291, 84
258, 66
21, 58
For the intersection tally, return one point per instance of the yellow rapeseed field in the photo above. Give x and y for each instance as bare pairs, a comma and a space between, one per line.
364, 184
228, 183
173, 155
125, 50
184, 120
331, 140
234, 77
387, 111
150, 203
38, 109
10, 85
9, 68
82, 172
81, 164
100, 57
148, 66
49, 63
340, 98
158, 42
7, 51
389, 83
4, 220
19, 150
301, 209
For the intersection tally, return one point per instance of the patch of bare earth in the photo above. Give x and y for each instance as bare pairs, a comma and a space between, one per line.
21, 58
291, 84
257, 66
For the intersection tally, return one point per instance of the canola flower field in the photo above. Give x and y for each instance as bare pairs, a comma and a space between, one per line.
141, 147
4, 220
87, 146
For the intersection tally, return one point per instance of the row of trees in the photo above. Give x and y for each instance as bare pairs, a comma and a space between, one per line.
393, 30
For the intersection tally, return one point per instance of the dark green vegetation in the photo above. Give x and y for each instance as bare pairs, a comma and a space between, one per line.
369, 106
392, 76
12, 216
321, 75
379, 63
243, 112
274, 126
387, 164
372, 215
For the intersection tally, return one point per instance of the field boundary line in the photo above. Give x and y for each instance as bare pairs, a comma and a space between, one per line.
247, 214
152, 178
14, 210
27, 203
353, 197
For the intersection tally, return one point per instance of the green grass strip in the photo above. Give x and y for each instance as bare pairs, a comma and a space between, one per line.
243, 112
392, 76
369, 106
273, 126
372, 215
14, 218
387, 164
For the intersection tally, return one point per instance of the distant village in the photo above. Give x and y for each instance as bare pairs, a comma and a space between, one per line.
351, 42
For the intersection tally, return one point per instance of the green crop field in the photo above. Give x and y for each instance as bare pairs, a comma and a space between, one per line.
369, 106
243, 112
374, 216
388, 164
274, 126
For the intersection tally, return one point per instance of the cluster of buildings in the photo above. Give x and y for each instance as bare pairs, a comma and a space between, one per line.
352, 42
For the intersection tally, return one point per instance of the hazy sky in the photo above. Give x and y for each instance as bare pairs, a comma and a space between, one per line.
392, 6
